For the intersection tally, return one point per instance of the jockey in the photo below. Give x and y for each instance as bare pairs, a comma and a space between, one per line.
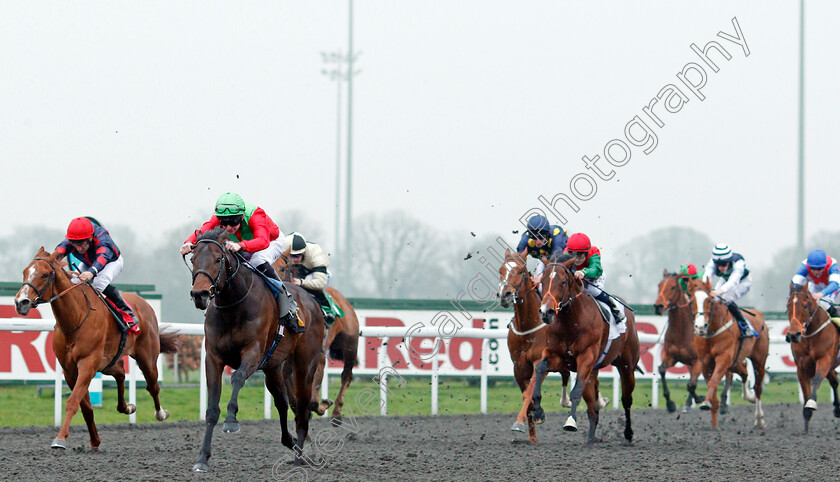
542, 241
250, 230
824, 275
587, 266
101, 259
687, 271
309, 258
733, 282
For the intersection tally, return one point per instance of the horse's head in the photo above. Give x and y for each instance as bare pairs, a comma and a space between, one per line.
700, 302
559, 287
38, 281
281, 267
513, 277
210, 262
670, 293
801, 309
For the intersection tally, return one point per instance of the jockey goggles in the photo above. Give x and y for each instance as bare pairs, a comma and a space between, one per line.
231, 209
230, 220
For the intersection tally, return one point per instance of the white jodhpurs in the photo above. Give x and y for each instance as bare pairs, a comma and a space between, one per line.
105, 277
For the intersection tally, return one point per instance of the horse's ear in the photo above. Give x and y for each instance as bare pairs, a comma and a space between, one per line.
664, 272
708, 284
41, 251
52, 256
507, 252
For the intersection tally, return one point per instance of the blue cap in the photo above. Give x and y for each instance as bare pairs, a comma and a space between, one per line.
817, 259
537, 223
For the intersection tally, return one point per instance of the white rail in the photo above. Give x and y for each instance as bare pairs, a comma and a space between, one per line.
23, 324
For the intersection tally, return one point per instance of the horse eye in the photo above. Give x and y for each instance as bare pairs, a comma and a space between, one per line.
44, 276
219, 260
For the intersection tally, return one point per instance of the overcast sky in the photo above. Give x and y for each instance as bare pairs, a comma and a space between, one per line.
465, 113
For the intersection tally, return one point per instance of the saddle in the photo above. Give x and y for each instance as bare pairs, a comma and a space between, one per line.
278, 289
125, 322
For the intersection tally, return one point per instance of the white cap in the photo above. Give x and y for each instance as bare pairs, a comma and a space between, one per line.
721, 252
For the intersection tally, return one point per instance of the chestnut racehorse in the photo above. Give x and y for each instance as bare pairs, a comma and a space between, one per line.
341, 341
526, 339
678, 343
578, 340
815, 345
241, 328
720, 350
87, 339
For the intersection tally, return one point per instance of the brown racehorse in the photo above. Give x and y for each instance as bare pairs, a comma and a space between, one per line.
678, 345
240, 327
578, 340
87, 339
342, 342
526, 339
815, 345
719, 349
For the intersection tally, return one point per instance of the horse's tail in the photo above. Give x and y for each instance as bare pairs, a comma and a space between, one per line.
639, 369
168, 341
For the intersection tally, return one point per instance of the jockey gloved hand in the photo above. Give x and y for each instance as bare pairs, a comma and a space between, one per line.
818, 295
86, 276
186, 248
579, 274
232, 247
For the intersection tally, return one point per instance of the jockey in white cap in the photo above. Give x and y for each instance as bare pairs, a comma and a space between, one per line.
732, 282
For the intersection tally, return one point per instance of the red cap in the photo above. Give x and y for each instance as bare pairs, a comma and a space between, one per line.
80, 229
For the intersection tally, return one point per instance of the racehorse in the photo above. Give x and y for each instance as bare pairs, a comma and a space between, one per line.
241, 329
815, 349
578, 340
87, 339
720, 349
341, 340
678, 345
526, 339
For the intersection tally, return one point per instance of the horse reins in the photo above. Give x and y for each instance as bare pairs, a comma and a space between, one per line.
558, 307
50, 282
806, 324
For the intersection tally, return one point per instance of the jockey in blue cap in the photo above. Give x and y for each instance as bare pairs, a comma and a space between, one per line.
733, 282
822, 274
542, 241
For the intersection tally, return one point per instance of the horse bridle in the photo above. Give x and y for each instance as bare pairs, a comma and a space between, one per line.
806, 324
50, 282
214, 288
558, 307
676, 306
516, 299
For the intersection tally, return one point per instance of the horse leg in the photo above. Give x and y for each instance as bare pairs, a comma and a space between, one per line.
540, 369
346, 379
319, 406
758, 371
585, 367
628, 384
590, 396
724, 394
246, 368
823, 365
303, 380
150, 373
526, 413
805, 385
274, 383
85, 370
832, 379
118, 372
214, 368
87, 412
747, 393
667, 362
564, 397
691, 386
721, 367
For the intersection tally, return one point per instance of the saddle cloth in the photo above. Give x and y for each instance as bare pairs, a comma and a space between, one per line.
124, 321
615, 329
276, 287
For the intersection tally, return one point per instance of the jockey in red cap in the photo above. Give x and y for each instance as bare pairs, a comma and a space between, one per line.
587, 266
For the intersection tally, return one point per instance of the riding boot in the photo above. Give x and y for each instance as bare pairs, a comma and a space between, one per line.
746, 329
832, 312
329, 317
113, 294
285, 303
617, 310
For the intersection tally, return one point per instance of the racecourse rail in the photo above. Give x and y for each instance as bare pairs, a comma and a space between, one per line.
22, 324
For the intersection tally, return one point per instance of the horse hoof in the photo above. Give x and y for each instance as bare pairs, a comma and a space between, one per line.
94, 449
836, 412
603, 402
230, 427
571, 425
518, 427
201, 467
566, 403
130, 408
59, 444
539, 416
161, 415
705, 406
336, 422
811, 405
672, 407
724, 409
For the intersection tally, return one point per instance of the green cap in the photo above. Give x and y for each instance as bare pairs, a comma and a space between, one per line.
230, 204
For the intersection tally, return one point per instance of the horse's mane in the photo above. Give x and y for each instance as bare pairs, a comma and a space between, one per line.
563, 258
212, 234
